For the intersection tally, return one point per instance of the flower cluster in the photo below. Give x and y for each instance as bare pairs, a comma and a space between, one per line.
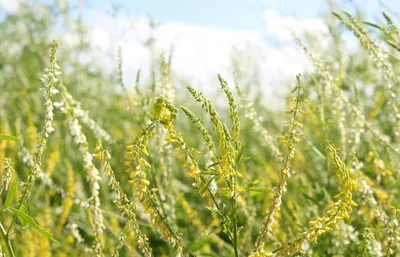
159, 221
164, 113
379, 57
122, 202
2, 254
369, 245
392, 230
136, 163
233, 108
360, 124
289, 140
226, 168
339, 210
187, 155
50, 80
75, 232
261, 252
228, 154
93, 175
367, 192
9, 170
82, 116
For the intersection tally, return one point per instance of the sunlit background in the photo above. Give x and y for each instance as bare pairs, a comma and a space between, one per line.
261, 161
205, 36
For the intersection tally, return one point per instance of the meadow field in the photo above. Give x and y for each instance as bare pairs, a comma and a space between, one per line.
92, 164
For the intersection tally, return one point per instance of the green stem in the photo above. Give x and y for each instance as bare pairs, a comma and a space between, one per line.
224, 221
8, 242
235, 237
234, 220
14, 215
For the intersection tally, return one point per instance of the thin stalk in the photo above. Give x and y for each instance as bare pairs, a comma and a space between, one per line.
14, 215
155, 182
8, 242
235, 236
234, 220
211, 193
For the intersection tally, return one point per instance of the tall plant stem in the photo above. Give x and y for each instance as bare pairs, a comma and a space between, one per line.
8, 242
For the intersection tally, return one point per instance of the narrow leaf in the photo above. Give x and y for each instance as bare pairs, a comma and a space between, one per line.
253, 183
206, 185
8, 137
260, 189
25, 210
32, 222
213, 164
11, 195
240, 152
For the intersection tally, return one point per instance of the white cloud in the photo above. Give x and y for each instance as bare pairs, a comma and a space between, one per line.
100, 38
203, 51
281, 27
9, 5
200, 52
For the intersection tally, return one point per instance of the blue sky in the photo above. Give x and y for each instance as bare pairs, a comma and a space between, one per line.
238, 14
206, 34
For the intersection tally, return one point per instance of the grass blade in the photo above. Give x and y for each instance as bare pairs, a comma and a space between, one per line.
29, 220
11, 195
8, 137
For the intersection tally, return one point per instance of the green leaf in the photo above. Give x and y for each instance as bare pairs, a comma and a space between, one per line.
11, 195
211, 209
243, 159
253, 183
260, 189
214, 229
25, 210
8, 137
240, 152
206, 185
209, 173
213, 164
32, 222
253, 187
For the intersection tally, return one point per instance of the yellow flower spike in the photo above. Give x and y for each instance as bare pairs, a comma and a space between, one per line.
335, 212
144, 162
196, 152
144, 150
203, 191
129, 147
337, 196
139, 195
145, 182
240, 190
147, 210
128, 170
98, 155
130, 154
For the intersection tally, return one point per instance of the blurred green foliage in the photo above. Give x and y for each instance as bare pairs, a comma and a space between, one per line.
350, 99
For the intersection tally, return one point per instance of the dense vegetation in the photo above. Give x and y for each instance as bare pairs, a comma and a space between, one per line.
99, 168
